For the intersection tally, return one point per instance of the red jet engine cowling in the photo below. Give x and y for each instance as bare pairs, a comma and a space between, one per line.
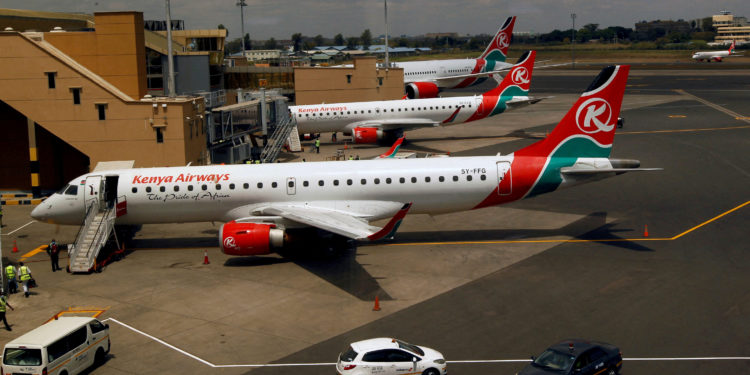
366, 135
249, 238
717, 58
422, 90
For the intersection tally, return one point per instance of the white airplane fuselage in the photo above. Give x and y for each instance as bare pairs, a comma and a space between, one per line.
436, 70
230, 192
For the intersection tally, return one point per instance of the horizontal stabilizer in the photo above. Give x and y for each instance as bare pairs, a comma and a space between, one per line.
573, 171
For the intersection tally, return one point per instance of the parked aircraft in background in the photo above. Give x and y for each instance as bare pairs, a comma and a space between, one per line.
266, 205
717, 56
425, 79
370, 122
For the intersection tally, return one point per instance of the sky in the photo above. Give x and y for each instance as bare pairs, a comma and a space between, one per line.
282, 18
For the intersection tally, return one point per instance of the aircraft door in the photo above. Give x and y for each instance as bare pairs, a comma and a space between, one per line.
94, 186
504, 178
291, 186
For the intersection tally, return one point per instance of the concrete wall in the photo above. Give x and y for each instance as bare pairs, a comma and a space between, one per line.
330, 85
115, 50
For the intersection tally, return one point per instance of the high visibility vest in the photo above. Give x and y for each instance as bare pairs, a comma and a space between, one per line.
10, 271
25, 273
317, 143
2, 304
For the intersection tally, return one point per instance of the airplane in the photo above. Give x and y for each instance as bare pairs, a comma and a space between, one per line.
717, 56
370, 122
425, 79
264, 206
391, 153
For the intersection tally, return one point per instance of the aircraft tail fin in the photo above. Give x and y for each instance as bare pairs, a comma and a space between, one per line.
731, 48
517, 81
393, 150
498, 48
588, 129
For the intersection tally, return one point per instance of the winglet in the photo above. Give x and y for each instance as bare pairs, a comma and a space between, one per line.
393, 150
390, 229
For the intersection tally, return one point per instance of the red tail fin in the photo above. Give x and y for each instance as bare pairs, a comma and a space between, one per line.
498, 48
519, 76
594, 116
393, 150
731, 48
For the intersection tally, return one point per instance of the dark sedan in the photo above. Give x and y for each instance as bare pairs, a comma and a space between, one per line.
577, 357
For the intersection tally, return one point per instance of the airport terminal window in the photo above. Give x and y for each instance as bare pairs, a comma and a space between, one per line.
468, 178
335, 182
204, 187
176, 188
162, 189
377, 181
455, 178
159, 136
388, 180
134, 190
349, 182
190, 187
76, 94
441, 179
244, 186
305, 183
320, 183
348, 78
148, 189
260, 185
51, 79
101, 109
402, 180
482, 177
274, 185
231, 186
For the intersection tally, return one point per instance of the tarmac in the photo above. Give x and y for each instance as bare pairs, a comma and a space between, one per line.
492, 285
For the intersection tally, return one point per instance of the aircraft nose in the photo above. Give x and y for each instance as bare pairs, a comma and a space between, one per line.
38, 212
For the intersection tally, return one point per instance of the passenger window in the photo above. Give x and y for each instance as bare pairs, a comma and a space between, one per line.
402, 180
427, 179
305, 183
335, 182
176, 188
134, 190
482, 177
274, 185
455, 178
388, 180
231, 186
162, 189
260, 185
413, 180
204, 187
377, 181
190, 187
96, 326
244, 186
468, 178
148, 189
291, 183
77, 338
441, 178
349, 182
363, 181
56, 350
321, 183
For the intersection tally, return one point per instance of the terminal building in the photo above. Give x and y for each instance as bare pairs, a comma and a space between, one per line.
731, 28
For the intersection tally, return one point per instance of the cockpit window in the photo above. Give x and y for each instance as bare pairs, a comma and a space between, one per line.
71, 190
62, 191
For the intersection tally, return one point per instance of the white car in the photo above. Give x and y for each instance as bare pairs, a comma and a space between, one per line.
388, 356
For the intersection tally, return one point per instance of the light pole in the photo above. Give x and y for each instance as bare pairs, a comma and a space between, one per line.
573, 40
242, 5
170, 59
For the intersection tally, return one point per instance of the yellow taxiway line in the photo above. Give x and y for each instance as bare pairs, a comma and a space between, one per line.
717, 217
33, 252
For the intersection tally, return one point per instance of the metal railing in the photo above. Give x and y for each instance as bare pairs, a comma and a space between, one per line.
88, 250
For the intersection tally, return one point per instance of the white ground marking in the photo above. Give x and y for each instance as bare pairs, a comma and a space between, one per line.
207, 363
19, 228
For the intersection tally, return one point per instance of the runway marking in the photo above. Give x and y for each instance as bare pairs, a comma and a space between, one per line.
207, 363
677, 116
686, 130
714, 106
33, 252
19, 228
677, 236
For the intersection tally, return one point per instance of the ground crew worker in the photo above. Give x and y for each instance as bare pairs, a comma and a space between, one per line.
1, 216
54, 254
3, 303
24, 274
351, 157
317, 145
10, 274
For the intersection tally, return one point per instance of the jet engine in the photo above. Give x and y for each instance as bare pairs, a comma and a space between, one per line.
249, 238
422, 90
717, 58
367, 135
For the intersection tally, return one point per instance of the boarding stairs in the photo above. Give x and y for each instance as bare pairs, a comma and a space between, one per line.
293, 140
283, 131
92, 237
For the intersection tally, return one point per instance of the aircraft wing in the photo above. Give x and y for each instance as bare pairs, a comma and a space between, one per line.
338, 222
471, 75
571, 171
395, 123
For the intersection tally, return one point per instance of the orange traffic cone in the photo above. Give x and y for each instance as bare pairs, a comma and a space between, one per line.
645, 231
15, 248
346, 146
377, 304
205, 257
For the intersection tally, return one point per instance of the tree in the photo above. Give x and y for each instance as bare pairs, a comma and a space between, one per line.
319, 41
297, 41
338, 40
351, 42
707, 24
270, 44
366, 39
248, 43
233, 46
222, 27
591, 27
402, 42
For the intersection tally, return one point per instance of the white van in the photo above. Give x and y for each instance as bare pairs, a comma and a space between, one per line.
64, 346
